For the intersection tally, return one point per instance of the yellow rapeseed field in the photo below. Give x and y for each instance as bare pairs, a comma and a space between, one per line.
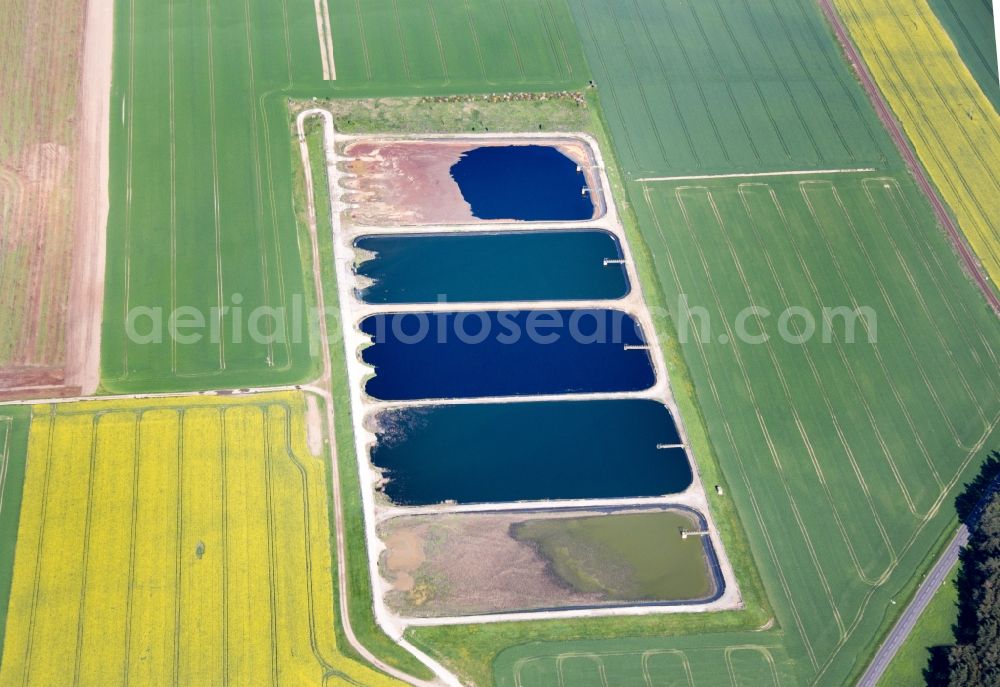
174, 541
952, 125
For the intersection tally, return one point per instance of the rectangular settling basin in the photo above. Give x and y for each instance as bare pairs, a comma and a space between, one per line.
504, 353
485, 267
420, 182
525, 451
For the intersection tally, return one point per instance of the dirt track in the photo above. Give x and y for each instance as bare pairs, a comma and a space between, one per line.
83, 330
944, 217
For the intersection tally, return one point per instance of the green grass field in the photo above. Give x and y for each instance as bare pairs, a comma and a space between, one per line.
825, 447
14, 422
201, 211
404, 46
745, 659
200, 191
841, 458
932, 629
970, 25
710, 87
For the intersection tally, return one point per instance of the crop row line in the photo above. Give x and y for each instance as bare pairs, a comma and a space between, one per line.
765, 429
755, 506
841, 435
737, 453
929, 130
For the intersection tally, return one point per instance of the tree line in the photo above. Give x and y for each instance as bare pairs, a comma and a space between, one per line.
973, 660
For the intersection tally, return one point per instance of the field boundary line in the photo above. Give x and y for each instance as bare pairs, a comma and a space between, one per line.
551, 17
610, 89
438, 42
129, 160
217, 210
834, 418
589, 656
173, 176
845, 282
175, 656
781, 77
887, 187
288, 49
760, 651
475, 40
402, 41
697, 83
667, 87
958, 239
646, 655
639, 87
324, 33
255, 125
364, 41
87, 528
130, 594
319, 33
220, 419
39, 543
750, 175
765, 430
5, 455
272, 575
899, 323
513, 39
285, 422
800, 426
273, 206
550, 43
758, 515
843, 358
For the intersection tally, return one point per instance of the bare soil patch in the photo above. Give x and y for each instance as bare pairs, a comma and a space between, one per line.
53, 194
476, 563
467, 564
392, 182
404, 183
314, 426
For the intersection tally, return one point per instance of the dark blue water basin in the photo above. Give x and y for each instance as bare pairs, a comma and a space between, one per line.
504, 353
522, 182
500, 452
536, 265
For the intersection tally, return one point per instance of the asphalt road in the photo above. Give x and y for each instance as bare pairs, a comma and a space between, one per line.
935, 578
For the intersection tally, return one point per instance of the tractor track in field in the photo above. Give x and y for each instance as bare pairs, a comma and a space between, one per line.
968, 258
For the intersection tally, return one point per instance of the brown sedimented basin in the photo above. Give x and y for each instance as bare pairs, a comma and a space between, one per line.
393, 183
461, 564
